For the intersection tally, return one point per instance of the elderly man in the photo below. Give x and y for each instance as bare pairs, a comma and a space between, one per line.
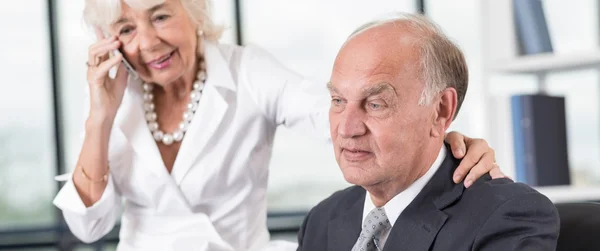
396, 87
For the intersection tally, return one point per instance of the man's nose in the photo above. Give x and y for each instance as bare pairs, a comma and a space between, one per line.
352, 123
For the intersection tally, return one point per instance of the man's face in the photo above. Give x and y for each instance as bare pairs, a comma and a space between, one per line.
377, 125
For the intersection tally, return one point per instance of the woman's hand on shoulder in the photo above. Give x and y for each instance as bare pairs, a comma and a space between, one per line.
478, 158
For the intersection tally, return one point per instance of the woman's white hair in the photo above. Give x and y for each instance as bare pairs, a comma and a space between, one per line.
103, 13
442, 63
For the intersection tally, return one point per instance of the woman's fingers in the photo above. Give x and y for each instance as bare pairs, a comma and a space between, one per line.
122, 73
497, 173
481, 168
104, 67
476, 149
98, 52
457, 144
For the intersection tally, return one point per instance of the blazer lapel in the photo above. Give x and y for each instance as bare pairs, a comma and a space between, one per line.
132, 124
343, 230
212, 109
418, 225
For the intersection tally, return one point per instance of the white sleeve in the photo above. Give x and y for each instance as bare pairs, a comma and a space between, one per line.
88, 223
92, 223
285, 97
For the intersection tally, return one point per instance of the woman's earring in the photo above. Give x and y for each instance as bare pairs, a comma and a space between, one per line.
200, 32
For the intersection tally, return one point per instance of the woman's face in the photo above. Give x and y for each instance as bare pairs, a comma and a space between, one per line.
159, 42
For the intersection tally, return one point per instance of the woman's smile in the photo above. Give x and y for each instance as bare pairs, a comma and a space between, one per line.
162, 62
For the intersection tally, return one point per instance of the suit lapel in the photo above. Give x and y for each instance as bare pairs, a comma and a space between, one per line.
418, 225
416, 228
211, 112
343, 230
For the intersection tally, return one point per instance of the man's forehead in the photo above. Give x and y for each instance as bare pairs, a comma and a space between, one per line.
367, 59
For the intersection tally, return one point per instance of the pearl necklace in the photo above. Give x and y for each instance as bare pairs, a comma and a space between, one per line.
192, 106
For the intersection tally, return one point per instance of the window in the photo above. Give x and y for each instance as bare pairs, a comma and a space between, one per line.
27, 157
579, 32
306, 36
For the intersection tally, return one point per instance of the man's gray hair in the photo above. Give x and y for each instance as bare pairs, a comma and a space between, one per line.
442, 64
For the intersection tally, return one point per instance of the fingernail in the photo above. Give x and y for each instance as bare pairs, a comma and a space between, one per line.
460, 152
469, 182
456, 178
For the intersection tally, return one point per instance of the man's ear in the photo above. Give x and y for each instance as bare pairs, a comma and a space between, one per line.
445, 110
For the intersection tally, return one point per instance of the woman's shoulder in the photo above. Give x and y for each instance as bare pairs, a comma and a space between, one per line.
249, 63
243, 53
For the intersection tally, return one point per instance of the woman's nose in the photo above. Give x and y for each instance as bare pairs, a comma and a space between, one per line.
148, 39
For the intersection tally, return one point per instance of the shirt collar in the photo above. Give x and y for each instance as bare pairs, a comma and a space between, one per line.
396, 205
217, 68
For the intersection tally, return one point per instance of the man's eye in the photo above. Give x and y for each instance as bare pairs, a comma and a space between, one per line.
336, 101
161, 17
375, 106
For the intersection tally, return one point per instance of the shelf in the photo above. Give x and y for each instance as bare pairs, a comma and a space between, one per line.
548, 62
563, 194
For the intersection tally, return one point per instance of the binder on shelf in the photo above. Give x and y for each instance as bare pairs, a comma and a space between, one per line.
532, 29
540, 140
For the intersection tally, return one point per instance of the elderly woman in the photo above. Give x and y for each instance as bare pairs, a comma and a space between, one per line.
187, 144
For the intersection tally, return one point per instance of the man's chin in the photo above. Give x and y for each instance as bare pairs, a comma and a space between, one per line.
356, 176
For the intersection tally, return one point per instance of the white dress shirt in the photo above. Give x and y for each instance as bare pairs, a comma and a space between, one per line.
396, 205
215, 197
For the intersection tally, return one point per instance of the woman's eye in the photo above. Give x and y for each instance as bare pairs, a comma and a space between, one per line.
336, 101
125, 31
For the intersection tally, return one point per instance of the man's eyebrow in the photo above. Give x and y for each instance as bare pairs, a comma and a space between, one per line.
332, 88
377, 89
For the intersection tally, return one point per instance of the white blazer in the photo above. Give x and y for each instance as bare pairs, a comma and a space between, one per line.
215, 196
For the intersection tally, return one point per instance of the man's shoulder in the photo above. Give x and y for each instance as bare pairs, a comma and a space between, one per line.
490, 195
501, 190
491, 208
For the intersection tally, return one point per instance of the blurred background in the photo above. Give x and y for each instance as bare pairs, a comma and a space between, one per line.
45, 42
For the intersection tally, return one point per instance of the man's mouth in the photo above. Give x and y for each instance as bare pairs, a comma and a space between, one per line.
353, 154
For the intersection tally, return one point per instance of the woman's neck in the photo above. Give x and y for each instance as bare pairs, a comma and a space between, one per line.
180, 89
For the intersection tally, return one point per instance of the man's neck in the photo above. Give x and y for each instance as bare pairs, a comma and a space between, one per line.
383, 192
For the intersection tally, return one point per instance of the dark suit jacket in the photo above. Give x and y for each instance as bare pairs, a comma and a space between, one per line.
491, 215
